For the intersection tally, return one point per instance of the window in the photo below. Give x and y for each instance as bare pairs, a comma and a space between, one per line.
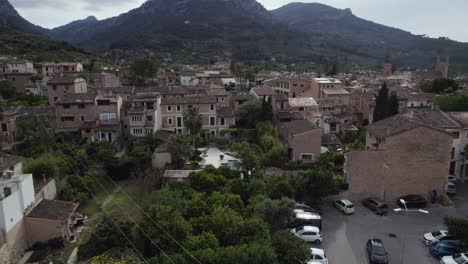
179, 121
103, 102
178, 108
112, 116
211, 107
169, 121
55, 99
212, 121
169, 108
456, 134
68, 118
54, 87
4, 127
81, 106
452, 153
104, 117
6, 191
149, 131
82, 118
137, 118
222, 121
66, 106
307, 156
88, 130
137, 131
150, 105
149, 118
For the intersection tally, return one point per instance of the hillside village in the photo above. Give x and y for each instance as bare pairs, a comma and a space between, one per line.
190, 132
175, 123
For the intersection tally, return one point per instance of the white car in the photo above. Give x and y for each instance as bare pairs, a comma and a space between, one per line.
455, 259
432, 236
318, 256
308, 233
452, 178
451, 188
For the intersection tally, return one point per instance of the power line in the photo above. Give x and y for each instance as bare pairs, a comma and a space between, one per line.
110, 218
133, 220
136, 204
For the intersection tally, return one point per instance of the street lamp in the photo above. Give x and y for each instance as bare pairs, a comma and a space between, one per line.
406, 208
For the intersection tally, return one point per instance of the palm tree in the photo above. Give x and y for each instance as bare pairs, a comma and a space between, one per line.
193, 122
180, 149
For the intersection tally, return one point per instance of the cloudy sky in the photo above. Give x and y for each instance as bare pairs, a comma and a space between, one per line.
432, 17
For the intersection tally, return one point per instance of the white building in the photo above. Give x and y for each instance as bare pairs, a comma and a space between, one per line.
17, 66
144, 118
16, 196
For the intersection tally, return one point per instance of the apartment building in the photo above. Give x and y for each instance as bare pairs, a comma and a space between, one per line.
106, 125
73, 110
61, 85
16, 66
144, 114
291, 87
173, 109
51, 68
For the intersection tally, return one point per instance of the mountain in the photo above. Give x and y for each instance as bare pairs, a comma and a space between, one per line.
9, 17
341, 32
20, 38
184, 26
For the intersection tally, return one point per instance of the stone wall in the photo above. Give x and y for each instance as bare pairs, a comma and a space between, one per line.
413, 162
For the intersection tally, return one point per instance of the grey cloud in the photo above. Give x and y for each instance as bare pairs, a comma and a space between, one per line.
31, 4
100, 5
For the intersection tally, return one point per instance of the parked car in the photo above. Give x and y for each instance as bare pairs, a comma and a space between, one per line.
446, 238
441, 249
412, 201
452, 178
376, 251
344, 206
318, 256
432, 236
308, 233
307, 208
451, 188
376, 206
302, 218
459, 258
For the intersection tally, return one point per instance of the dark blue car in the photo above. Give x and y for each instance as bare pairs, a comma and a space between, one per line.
441, 249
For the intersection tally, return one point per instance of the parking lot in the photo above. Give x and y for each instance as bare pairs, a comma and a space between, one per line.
345, 236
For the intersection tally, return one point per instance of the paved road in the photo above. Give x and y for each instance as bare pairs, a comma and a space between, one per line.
345, 236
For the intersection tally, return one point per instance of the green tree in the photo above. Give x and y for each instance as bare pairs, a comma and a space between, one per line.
104, 237
381, 104
280, 187
248, 154
277, 155
393, 104
117, 256
289, 249
141, 69
439, 86
180, 149
250, 113
315, 184
458, 227
7, 89
207, 182
277, 212
451, 103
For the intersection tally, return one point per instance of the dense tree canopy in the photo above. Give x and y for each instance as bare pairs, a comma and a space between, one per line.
452, 103
439, 86
221, 218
